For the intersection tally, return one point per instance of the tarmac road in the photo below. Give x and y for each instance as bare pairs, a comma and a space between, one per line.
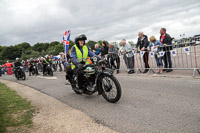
148, 104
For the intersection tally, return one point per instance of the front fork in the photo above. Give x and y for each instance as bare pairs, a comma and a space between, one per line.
99, 80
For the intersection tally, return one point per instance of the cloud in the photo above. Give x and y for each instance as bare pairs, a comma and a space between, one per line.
44, 21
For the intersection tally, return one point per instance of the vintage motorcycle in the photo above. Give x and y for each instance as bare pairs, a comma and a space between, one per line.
49, 70
20, 73
34, 70
98, 78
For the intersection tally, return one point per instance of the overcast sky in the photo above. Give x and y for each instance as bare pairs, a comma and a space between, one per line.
35, 21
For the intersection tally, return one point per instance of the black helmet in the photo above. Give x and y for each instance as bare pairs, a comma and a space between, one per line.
80, 37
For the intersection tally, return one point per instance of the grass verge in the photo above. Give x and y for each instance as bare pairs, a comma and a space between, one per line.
15, 112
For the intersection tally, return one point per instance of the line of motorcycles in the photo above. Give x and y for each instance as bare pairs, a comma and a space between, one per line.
20, 73
96, 78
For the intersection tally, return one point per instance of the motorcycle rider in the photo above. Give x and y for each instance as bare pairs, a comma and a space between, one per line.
32, 62
79, 54
45, 64
17, 64
30, 66
50, 60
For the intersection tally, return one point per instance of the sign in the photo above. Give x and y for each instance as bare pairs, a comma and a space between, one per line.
142, 53
152, 54
187, 50
134, 52
162, 53
173, 52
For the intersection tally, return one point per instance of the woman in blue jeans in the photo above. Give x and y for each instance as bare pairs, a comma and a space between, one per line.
156, 46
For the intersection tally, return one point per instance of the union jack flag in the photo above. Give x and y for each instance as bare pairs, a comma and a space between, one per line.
66, 38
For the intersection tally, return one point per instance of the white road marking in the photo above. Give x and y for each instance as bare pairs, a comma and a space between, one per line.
47, 77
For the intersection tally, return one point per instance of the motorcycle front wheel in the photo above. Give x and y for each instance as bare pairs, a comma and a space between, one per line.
50, 72
33, 72
18, 77
23, 76
111, 89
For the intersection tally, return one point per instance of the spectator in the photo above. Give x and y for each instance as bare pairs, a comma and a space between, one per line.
40, 64
113, 56
127, 51
143, 44
27, 65
54, 64
59, 64
104, 52
61, 61
23, 64
104, 49
49, 59
0, 71
156, 46
166, 40
9, 67
98, 50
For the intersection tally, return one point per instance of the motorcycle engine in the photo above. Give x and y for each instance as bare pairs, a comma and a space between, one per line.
89, 80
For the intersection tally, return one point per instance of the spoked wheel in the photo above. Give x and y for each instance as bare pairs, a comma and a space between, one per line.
111, 88
17, 77
75, 85
23, 76
50, 72
33, 72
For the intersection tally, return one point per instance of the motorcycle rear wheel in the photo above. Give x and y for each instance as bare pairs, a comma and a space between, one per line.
75, 85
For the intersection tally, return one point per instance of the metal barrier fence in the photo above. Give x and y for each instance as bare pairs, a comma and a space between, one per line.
184, 56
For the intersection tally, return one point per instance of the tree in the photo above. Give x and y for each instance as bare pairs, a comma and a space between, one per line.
131, 43
71, 43
30, 54
11, 53
40, 46
53, 44
23, 46
100, 43
116, 44
1, 49
59, 48
91, 44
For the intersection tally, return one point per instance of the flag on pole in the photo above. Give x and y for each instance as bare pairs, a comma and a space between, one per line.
66, 38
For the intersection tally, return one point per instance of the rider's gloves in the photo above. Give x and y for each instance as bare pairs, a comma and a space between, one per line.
98, 58
80, 66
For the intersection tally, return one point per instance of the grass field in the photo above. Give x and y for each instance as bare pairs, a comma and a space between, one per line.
15, 112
